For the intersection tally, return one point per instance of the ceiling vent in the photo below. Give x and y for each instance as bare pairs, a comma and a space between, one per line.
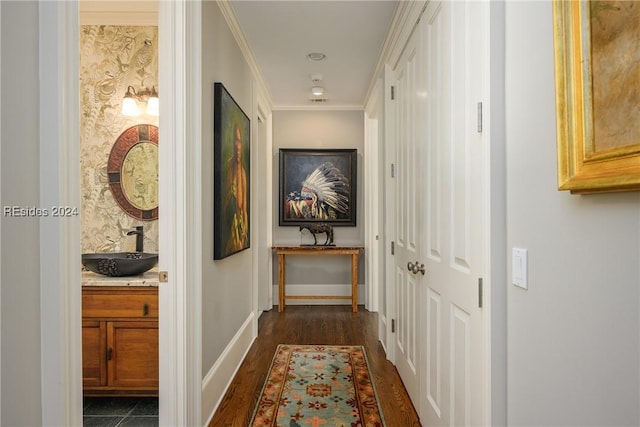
318, 99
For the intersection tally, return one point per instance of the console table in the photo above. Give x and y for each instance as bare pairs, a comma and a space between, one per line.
281, 251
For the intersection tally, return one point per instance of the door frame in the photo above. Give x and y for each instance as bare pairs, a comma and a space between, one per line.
60, 282
180, 224
372, 181
262, 215
389, 155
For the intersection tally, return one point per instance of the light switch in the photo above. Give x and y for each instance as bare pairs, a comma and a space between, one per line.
519, 268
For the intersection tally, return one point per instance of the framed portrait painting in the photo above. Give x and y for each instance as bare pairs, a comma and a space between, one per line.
231, 140
318, 185
597, 64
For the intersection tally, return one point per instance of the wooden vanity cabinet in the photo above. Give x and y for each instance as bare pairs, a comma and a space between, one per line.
120, 340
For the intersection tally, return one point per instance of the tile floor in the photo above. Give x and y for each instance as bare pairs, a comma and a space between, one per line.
120, 411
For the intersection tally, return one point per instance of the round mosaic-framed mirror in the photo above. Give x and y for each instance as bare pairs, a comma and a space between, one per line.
133, 171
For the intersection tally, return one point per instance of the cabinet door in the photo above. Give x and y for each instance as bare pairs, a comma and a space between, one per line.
133, 354
94, 347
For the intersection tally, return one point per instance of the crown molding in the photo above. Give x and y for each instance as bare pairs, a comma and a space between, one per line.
230, 17
318, 108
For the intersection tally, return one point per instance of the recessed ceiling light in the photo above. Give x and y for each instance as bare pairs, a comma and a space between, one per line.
316, 56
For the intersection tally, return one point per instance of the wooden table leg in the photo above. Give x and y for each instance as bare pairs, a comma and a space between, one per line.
354, 283
280, 283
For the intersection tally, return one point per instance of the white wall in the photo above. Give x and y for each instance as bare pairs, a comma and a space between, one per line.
20, 346
573, 337
322, 129
227, 283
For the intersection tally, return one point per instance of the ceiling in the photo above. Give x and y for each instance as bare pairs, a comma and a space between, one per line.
281, 34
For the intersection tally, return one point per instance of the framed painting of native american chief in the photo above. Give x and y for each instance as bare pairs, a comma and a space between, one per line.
318, 185
231, 142
597, 62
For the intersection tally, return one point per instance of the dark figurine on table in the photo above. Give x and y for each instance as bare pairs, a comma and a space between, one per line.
319, 228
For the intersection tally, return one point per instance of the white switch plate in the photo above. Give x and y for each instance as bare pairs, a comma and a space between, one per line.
519, 268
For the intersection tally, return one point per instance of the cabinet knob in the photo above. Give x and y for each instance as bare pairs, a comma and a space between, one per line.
145, 309
109, 353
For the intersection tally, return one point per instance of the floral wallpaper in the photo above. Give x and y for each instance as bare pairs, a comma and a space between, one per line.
111, 59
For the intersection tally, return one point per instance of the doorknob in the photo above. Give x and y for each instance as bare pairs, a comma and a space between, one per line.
415, 268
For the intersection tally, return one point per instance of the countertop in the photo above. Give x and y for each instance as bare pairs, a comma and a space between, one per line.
150, 278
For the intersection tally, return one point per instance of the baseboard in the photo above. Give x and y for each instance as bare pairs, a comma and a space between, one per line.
219, 377
318, 290
383, 335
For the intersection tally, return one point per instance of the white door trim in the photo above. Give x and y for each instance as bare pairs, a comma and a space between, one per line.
262, 249
180, 325
495, 294
389, 209
372, 149
180, 221
60, 285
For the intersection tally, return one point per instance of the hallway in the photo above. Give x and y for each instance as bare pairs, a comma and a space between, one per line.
332, 325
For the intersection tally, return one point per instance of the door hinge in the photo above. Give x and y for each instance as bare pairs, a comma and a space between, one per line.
393, 170
393, 248
479, 117
393, 326
393, 93
480, 292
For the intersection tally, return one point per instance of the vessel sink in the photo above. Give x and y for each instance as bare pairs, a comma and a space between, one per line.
118, 264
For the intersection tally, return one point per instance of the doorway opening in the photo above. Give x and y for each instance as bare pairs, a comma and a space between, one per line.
119, 210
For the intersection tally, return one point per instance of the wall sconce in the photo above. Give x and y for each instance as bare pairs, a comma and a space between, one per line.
131, 98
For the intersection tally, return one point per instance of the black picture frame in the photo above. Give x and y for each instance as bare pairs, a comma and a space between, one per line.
231, 181
318, 186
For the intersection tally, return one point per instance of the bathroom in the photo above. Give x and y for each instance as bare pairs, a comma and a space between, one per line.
119, 210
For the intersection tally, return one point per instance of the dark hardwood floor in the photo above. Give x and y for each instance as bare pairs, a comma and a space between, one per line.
318, 324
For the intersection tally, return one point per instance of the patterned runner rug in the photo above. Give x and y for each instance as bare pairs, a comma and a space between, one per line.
310, 385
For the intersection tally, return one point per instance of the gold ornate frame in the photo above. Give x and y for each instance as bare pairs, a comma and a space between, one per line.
582, 168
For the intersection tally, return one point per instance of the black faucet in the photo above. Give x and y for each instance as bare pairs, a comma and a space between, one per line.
139, 237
